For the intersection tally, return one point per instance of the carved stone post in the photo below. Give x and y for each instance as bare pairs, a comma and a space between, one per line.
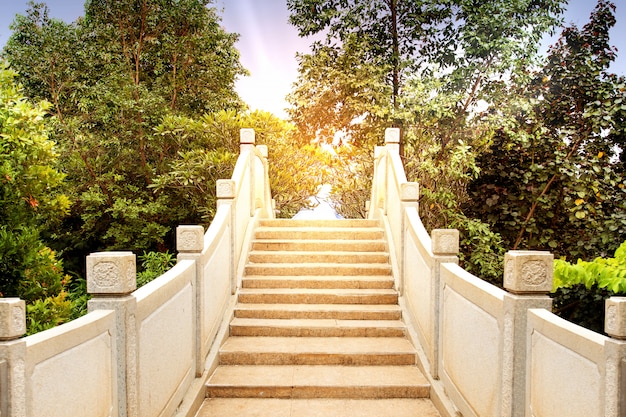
379, 185
392, 145
445, 248
226, 193
190, 244
12, 357
528, 277
190, 239
262, 196
111, 278
409, 196
392, 139
615, 327
246, 139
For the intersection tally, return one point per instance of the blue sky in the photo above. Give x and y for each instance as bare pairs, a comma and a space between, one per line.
268, 43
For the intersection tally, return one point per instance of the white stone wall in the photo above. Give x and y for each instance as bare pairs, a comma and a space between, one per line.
165, 341
566, 369
471, 342
71, 370
216, 286
419, 290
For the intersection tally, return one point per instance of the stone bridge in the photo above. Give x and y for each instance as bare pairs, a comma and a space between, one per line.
269, 317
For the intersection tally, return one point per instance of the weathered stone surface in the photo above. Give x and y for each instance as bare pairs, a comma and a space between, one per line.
12, 318
409, 191
190, 238
615, 321
392, 135
247, 136
225, 188
445, 241
111, 273
528, 271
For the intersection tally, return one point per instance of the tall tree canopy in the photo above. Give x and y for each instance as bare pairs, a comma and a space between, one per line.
117, 80
31, 202
553, 178
473, 45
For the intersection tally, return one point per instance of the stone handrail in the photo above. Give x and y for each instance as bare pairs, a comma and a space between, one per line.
146, 351
487, 351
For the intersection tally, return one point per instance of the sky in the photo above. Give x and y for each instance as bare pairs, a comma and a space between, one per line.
268, 43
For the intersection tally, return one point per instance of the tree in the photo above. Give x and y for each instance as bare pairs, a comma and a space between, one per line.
474, 43
423, 66
553, 177
113, 78
391, 30
336, 86
31, 200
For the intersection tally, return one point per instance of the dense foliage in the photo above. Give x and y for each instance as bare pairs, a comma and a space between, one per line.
581, 288
121, 80
425, 67
515, 151
31, 202
139, 94
128, 116
553, 177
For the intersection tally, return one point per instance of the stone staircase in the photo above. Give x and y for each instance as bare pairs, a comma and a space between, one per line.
317, 330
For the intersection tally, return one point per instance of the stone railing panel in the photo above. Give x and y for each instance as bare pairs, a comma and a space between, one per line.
471, 341
565, 368
214, 278
73, 369
165, 350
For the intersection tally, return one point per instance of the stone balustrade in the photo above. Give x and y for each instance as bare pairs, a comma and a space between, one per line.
489, 351
147, 351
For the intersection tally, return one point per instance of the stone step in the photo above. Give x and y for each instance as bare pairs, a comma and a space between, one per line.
318, 233
317, 296
337, 245
354, 351
366, 282
291, 269
316, 328
276, 407
319, 311
291, 256
346, 223
319, 381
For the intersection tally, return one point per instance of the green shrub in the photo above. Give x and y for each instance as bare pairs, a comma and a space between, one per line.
47, 313
580, 289
153, 265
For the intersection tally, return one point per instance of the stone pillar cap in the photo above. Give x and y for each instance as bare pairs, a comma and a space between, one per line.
111, 273
190, 238
12, 318
615, 317
528, 272
445, 242
392, 135
247, 136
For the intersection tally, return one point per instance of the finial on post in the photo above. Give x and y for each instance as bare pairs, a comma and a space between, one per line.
111, 273
392, 139
528, 272
615, 317
445, 242
409, 192
225, 189
190, 239
392, 135
12, 318
246, 139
